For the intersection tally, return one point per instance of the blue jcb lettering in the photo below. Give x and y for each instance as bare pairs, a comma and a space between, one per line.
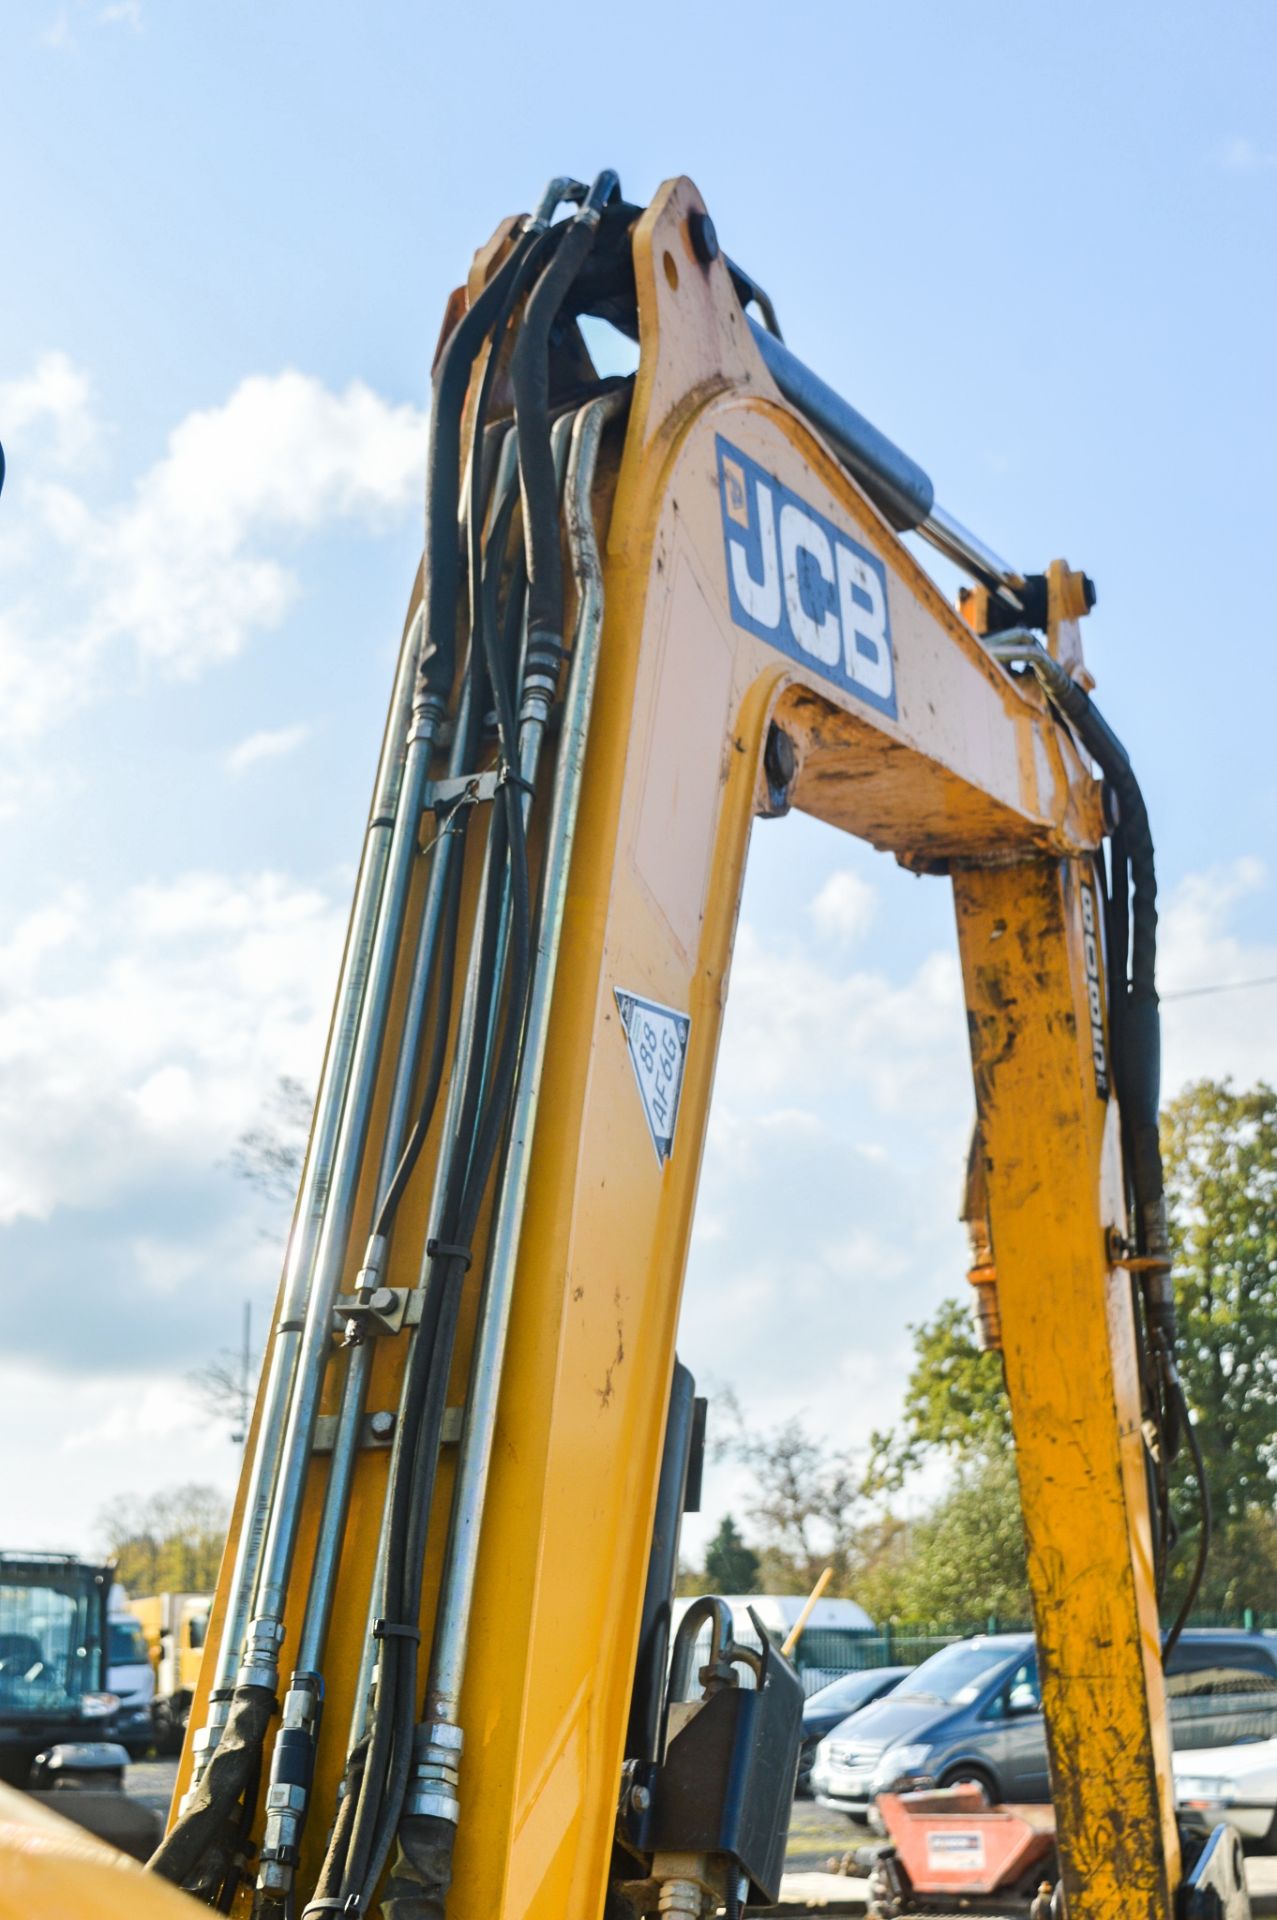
799, 583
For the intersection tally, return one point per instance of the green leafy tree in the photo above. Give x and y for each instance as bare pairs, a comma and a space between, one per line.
168, 1542
730, 1566
956, 1398
1220, 1151
965, 1559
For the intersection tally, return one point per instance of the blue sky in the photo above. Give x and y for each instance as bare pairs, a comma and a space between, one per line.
1035, 246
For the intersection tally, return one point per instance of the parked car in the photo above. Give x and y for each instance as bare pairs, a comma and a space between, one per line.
1237, 1783
131, 1678
829, 1706
972, 1712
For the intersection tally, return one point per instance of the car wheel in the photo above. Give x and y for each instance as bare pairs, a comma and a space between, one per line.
964, 1775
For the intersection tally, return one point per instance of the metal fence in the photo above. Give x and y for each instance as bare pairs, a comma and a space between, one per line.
823, 1654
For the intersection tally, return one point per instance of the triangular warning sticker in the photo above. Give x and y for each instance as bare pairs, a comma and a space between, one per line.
657, 1039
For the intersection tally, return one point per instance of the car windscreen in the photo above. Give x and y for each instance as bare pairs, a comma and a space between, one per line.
126, 1644
852, 1691
49, 1654
954, 1677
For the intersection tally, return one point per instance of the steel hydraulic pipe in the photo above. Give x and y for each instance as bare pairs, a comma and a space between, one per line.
345, 1444
261, 1655
893, 481
314, 1632
315, 1182
457, 1592
465, 1039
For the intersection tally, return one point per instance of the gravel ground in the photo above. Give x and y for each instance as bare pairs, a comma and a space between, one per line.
816, 1835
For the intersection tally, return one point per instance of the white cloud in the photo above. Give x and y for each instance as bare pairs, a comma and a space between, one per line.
57, 36
132, 1433
827, 1215
181, 569
271, 743
1241, 155
198, 559
846, 905
138, 1040
1210, 1035
53, 401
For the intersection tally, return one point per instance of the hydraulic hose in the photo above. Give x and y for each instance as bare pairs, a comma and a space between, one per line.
1136, 1029
530, 379
1138, 1063
478, 1128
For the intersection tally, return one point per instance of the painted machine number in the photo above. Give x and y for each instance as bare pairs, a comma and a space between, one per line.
657, 1039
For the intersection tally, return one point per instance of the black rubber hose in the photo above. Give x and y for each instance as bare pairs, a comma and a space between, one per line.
1204, 1533
530, 379
442, 562
1138, 1065
430, 1362
206, 1838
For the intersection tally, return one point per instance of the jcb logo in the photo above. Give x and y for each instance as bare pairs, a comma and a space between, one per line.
799, 583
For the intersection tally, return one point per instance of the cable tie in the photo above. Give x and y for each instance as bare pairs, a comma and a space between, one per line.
509, 778
391, 1630
445, 1248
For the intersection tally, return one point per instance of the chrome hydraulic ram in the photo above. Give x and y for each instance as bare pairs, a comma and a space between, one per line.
434, 1787
313, 1196
896, 484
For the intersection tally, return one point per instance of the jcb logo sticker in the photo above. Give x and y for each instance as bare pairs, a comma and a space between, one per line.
1093, 960
800, 584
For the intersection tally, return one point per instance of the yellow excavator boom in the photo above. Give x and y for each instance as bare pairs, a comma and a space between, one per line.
653, 611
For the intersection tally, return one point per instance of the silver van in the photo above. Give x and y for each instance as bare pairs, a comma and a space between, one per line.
972, 1712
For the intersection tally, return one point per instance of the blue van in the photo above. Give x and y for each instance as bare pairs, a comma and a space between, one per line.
972, 1712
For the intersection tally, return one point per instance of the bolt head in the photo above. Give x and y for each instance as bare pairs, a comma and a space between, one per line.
700, 229
382, 1425
640, 1798
383, 1299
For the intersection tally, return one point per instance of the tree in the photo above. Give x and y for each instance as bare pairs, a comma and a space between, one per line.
225, 1384
730, 1566
964, 1560
269, 1156
168, 1542
956, 1398
1220, 1152
808, 1503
